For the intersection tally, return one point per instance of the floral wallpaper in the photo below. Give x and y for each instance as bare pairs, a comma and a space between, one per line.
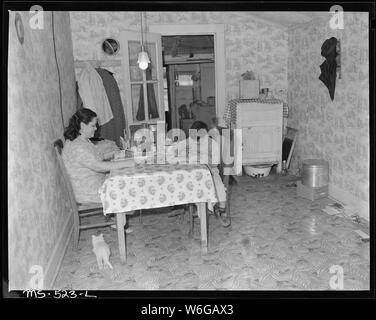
250, 44
333, 130
37, 201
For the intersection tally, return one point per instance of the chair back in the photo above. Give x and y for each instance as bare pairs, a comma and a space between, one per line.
58, 146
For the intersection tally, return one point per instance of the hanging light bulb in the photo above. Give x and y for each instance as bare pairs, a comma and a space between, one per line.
143, 57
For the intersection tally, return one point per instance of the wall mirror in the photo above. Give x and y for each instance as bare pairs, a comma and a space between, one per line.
110, 46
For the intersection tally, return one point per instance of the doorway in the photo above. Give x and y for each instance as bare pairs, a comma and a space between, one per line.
178, 72
190, 78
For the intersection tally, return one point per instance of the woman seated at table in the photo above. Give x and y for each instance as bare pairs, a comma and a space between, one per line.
86, 164
213, 148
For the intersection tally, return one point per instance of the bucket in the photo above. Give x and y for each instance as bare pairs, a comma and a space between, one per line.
315, 173
258, 170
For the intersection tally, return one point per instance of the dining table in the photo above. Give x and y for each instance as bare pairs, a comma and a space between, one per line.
148, 186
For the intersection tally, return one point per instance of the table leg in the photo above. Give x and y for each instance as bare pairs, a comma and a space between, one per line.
120, 222
201, 210
191, 222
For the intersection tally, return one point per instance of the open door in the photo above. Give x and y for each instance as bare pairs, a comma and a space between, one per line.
143, 88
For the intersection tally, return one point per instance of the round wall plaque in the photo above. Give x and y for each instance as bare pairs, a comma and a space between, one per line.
110, 46
19, 28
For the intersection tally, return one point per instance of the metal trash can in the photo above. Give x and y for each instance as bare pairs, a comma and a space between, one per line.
315, 173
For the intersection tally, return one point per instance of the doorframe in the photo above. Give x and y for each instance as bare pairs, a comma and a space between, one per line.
172, 95
218, 31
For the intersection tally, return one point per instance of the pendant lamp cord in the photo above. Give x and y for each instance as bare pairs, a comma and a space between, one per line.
142, 35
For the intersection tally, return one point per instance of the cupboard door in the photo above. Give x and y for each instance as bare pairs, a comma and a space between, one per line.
261, 126
261, 144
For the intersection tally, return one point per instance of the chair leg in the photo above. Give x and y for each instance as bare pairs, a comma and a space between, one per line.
228, 193
76, 236
76, 230
182, 215
202, 213
140, 217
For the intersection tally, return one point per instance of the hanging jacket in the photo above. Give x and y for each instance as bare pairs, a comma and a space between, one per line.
329, 66
93, 93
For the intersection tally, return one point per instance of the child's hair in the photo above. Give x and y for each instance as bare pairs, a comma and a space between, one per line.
197, 125
83, 115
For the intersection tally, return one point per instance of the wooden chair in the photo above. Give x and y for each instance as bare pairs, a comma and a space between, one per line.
80, 210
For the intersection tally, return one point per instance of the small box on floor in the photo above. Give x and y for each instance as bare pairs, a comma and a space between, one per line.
311, 193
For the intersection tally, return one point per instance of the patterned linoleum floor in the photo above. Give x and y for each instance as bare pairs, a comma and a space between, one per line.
277, 241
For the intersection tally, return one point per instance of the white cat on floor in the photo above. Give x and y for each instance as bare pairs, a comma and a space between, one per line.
102, 251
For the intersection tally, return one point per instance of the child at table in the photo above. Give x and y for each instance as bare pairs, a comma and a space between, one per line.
207, 149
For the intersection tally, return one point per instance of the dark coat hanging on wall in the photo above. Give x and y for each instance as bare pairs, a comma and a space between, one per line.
80, 104
113, 129
329, 66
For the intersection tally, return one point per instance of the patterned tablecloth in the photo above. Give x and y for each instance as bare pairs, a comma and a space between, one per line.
230, 112
154, 186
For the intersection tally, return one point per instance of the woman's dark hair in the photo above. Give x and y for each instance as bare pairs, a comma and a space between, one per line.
83, 115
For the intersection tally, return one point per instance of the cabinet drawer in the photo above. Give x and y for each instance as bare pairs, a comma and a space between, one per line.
250, 113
